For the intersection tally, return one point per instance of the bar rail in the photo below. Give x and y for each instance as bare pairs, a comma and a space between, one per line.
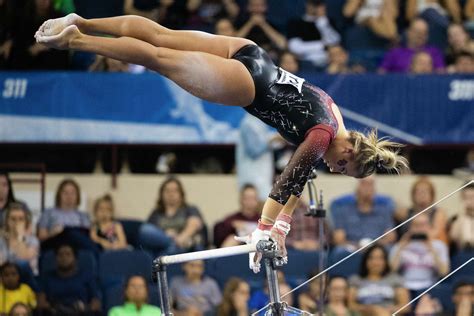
208, 254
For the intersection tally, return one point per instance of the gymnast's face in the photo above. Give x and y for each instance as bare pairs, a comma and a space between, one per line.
340, 158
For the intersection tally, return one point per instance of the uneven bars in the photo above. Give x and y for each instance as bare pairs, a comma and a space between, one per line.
208, 254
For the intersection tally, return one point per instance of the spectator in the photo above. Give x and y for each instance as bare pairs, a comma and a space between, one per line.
261, 298
235, 299
360, 217
375, 290
379, 16
459, 41
174, 226
254, 154
311, 33
106, 231
338, 293
105, 64
194, 293
255, 26
338, 60
462, 228
289, 62
428, 306
65, 222
421, 64
433, 12
309, 300
26, 53
399, 59
224, 27
18, 244
463, 298
68, 290
422, 196
463, 64
12, 290
304, 233
466, 172
240, 223
469, 11
419, 258
6, 195
20, 309
136, 299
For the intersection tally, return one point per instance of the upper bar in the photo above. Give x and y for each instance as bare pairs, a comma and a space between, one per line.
208, 254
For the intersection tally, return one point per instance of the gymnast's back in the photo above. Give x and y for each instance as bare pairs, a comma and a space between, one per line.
283, 100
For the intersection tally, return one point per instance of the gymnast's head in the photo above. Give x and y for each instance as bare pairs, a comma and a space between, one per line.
358, 155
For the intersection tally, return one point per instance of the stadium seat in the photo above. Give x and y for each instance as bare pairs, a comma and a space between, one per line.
443, 293
131, 228
334, 12
107, 8
115, 266
362, 38
235, 266
347, 267
300, 265
27, 276
280, 12
459, 259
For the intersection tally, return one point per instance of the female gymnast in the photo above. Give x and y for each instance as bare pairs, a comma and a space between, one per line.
235, 71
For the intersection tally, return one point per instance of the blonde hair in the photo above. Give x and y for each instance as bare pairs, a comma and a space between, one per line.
372, 153
107, 198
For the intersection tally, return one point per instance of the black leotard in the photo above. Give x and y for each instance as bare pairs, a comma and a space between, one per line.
300, 112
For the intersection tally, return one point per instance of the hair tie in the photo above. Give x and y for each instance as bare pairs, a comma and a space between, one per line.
379, 162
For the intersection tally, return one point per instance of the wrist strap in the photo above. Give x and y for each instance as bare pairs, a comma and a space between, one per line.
285, 218
263, 226
271, 220
283, 223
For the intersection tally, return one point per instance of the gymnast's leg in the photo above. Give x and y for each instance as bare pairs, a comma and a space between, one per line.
207, 76
148, 31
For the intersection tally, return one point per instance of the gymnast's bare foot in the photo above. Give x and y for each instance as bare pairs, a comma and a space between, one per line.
55, 26
61, 40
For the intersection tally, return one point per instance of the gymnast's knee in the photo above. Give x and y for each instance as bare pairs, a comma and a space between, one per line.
160, 60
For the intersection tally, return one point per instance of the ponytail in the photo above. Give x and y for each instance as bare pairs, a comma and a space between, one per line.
372, 154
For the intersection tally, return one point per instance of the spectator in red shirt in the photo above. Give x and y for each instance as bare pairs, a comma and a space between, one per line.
304, 233
240, 223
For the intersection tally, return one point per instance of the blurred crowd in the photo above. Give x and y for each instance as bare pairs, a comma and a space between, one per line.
49, 267
56, 265
339, 36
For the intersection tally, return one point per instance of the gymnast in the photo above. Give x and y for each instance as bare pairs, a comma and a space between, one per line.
237, 72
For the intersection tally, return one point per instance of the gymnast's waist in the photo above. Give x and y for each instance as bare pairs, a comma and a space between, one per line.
260, 66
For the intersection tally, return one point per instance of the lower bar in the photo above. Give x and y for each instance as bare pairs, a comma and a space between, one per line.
208, 254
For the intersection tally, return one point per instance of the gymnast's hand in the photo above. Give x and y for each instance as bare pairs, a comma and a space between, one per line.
280, 229
262, 232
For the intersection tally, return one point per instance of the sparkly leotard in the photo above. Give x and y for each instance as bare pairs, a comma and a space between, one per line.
301, 113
